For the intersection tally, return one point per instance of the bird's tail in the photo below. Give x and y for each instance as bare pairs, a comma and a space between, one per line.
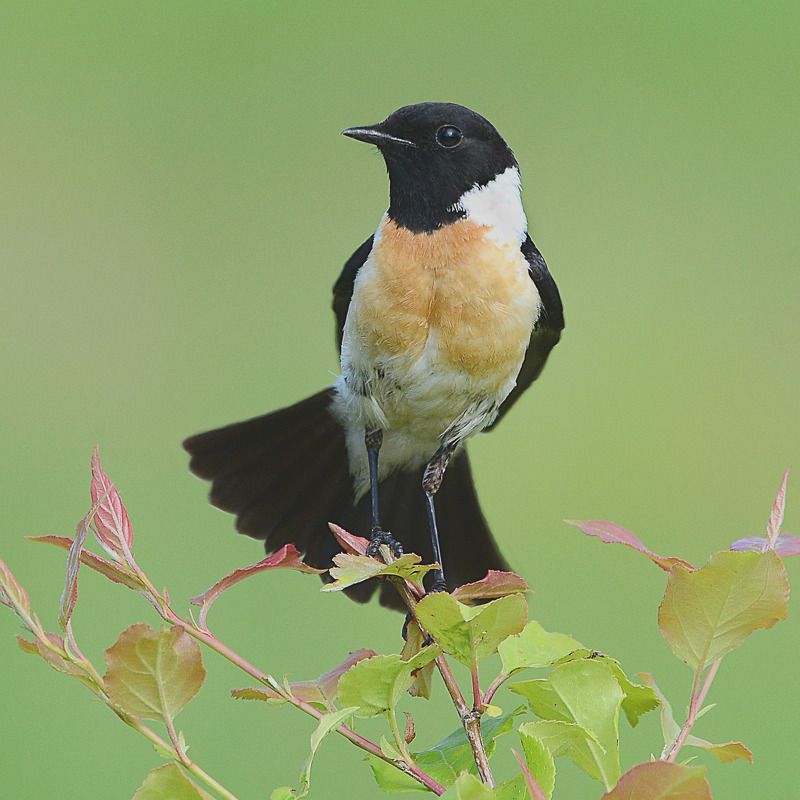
285, 475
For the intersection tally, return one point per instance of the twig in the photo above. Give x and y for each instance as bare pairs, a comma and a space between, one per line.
695, 704
470, 718
359, 741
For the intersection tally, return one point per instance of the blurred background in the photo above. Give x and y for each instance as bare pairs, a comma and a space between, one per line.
175, 205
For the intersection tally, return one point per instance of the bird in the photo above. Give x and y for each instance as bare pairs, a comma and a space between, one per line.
444, 317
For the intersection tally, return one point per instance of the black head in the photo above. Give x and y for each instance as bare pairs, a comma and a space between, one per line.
434, 153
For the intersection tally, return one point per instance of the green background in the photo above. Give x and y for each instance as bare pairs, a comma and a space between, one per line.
175, 204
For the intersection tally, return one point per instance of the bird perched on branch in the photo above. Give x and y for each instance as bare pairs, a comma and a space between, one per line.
443, 317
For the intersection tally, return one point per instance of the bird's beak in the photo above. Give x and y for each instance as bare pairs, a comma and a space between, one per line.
375, 134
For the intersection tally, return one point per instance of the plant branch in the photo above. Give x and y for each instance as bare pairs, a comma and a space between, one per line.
359, 741
470, 718
699, 693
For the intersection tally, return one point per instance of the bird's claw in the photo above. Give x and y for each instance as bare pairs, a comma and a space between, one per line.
439, 584
380, 537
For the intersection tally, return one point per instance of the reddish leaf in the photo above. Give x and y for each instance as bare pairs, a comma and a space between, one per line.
288, 557
776, 515
321, 691
69, 594
786, 545
356, 545
11, 592
661, 780
495, 584
611, 533
111, 523
534, 789
112, 571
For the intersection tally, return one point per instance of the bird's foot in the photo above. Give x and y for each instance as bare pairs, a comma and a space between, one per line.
439, 584
378, 538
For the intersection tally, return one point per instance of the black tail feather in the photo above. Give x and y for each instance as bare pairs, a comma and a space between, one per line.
285, 475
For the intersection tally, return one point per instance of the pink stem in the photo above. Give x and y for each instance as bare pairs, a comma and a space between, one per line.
699, 694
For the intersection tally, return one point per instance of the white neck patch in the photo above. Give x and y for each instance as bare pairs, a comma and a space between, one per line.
498, 206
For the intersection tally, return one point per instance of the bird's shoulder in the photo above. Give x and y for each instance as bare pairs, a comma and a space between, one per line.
343, 288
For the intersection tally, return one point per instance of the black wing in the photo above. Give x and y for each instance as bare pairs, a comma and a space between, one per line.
548, 327
343, 288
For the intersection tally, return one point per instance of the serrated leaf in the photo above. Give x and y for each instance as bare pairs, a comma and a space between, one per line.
170, 783
446, 759
585, 693
111, 523
326, 724
535, 647
669, 727
638, 699
262, 693
288, 557
661, 780
540, 763
375, 685
471, 633
114, 572
153, 674
611, 533
725, 752
69, 594
495, 584
320, 692
352, 569
709, 612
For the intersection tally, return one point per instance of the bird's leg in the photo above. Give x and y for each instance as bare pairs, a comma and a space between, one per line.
431, 481
378, 536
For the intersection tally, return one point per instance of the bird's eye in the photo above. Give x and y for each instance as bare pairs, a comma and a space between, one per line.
449, 136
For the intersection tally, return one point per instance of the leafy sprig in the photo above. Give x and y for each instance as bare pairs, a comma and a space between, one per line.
573, 694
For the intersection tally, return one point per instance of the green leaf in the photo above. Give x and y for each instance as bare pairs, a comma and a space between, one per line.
535, 647
709, 612
661, 780
351, 569
725, 752
669, 727
470, 633
468, 787
539, 759
585, 693
451, 756
639, 699
153, 674
326, 724
375, 685
445, 760
169, 783
283, 793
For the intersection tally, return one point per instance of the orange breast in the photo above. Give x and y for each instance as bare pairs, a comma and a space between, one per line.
470, 295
